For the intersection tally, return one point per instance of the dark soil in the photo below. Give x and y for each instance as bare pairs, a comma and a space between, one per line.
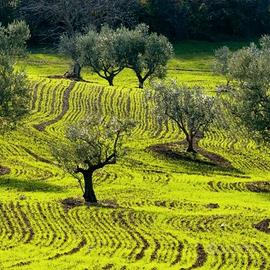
212, 206
175, 151
259, 187
263, 226
70, 203
4, 170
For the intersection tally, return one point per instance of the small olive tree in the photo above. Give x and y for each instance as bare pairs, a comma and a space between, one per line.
148, 54
14, 94
250, 70
69, 46
103, 53
221, 64
91, 145
188, 107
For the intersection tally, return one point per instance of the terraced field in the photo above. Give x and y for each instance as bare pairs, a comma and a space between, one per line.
156, 212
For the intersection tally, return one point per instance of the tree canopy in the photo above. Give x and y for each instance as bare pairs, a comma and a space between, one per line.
14, 95
147, 53
91, 145
188, 107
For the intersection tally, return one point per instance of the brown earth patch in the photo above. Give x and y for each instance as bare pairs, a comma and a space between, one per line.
4, 170
263, 226
212, 206
70, 203
176, 151
259, 186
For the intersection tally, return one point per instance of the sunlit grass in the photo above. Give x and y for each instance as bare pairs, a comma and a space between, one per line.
160, 217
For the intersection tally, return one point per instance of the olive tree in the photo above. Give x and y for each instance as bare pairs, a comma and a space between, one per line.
102, 52
13, 39
188, 107
14, 95
91, 145
149, 54
69, 46
221, 65
250, 70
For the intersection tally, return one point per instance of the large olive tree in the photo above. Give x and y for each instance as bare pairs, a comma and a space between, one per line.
250, 97
188, 107
103, 52
69, 46
91, 145
147, 54
14, 94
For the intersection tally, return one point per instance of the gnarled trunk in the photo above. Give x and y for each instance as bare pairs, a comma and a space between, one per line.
89, 193
141, 84
140, 79
190, 148
110, 80
75, 73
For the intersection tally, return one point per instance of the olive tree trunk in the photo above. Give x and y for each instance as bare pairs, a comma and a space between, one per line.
74, 73
190, 149
89, 193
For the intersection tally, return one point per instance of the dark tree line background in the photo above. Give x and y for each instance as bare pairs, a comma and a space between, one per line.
177, 19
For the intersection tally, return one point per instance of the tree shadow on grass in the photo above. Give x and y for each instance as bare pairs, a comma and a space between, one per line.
201, 163
29, 185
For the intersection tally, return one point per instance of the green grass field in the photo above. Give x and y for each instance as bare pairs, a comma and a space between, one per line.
157, 211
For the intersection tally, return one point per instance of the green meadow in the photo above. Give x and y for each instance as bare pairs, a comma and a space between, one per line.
158, 211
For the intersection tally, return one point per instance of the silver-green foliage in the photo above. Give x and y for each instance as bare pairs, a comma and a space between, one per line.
148, 53
250, 70
91, 145
188, 107
14, 94
91, 141
102, 52
221, 65
109, 51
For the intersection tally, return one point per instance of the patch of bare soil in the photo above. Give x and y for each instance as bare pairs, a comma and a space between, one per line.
4, 170
259, 187
212, 206
263, 226
176, 150
70, 203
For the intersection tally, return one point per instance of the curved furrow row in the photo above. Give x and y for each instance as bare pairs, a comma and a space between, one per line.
256, 186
